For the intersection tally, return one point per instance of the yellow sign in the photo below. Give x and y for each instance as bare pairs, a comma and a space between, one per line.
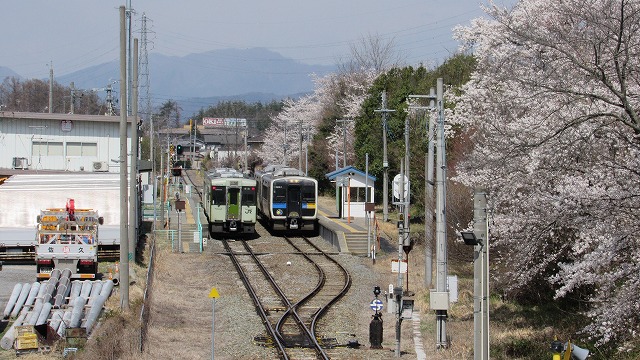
214, 293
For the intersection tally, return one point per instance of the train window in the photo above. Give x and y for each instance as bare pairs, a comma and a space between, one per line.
218, 195
279, 193
248, 196
233, 196
309, 193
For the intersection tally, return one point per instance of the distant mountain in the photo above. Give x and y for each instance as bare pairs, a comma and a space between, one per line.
194, 80
6, 72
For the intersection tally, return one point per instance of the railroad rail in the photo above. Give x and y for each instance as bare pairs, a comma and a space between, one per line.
334, 282
294, 333
261, 310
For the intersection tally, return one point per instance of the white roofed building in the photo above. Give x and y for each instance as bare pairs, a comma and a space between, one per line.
63, 142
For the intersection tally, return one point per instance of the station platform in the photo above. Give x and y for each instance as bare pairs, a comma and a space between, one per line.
353, 235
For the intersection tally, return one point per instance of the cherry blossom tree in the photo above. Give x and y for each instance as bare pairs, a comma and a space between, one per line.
341, 94
552, 111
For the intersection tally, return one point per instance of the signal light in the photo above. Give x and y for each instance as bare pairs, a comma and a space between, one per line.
179, 149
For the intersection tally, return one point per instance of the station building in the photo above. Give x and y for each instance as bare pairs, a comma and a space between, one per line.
61, 142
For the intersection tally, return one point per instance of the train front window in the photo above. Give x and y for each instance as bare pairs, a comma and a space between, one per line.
233, 196
248, 196
217, 196
279, 193
309, 194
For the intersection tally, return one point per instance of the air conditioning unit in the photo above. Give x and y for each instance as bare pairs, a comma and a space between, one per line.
100, 166
20, 163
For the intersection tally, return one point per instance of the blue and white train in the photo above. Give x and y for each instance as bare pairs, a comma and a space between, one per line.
287, 199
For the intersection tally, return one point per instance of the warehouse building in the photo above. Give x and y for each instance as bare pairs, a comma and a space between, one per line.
60, 142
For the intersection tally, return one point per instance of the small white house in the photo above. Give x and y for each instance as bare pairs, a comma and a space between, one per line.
354, 190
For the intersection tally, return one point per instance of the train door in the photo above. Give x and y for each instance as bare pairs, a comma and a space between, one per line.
233, 203
294, 207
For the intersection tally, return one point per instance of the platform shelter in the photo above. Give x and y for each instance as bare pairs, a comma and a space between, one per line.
354, 190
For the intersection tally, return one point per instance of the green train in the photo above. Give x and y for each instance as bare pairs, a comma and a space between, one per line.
230, 201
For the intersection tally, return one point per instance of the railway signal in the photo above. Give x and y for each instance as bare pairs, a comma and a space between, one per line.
179, 149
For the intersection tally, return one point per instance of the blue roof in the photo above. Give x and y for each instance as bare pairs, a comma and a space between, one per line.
346, 170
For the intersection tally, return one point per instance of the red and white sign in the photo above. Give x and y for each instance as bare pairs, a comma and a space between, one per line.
212, 121
219, 122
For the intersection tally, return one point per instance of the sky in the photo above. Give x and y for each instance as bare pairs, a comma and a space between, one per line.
74, 34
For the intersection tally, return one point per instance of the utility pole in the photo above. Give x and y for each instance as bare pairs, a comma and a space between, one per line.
51, 88
403, 239
193, 126
344, 139
441, 222
162, 190
306, 150
129, 80
73, 96
110, 108
285, 145
124, 243
133, 173
480, 276
385, 161
428, 185
300, 147
246, 148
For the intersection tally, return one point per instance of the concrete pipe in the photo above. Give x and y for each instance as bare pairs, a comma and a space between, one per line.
44, 314
33, 292
41, 290
21, 299
17, 288
107, 287
95, 291
66, 318
76, 313
96, 307
61, 292
86, 288
76, 286
10, 336
50, 290
35, 312
56, 319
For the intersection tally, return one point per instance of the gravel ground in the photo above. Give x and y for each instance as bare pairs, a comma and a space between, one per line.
10, 276
181, 310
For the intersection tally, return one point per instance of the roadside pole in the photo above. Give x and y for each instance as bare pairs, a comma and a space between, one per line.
213, 295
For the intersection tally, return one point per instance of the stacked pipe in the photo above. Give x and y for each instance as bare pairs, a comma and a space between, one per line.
10, 336
97, 304
36, 304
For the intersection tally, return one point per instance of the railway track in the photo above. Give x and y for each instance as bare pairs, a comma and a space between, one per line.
291, 319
